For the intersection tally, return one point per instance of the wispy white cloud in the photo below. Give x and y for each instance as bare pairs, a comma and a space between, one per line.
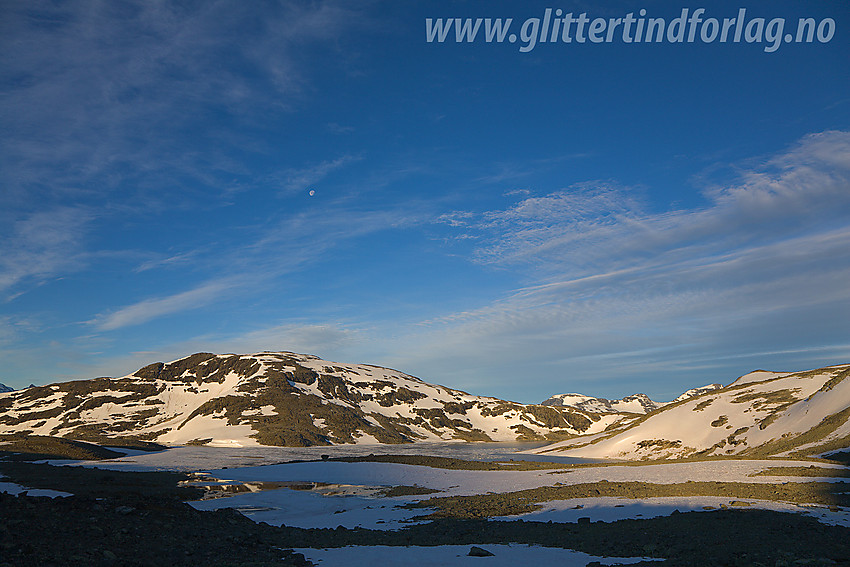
762, 268
299, 179
111, 112
513, 170
104, 100
339, 129
612, 288
588, 226
149, 309
167, 261
304, 236
42, 245
282, 248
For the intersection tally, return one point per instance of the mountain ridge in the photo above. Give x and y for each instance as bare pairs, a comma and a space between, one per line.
760, 414
280, 399
636, 403
290, 399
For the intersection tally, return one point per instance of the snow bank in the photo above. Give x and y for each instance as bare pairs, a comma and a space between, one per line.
457, 555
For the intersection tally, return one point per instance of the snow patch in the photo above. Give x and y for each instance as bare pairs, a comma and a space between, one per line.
509, 555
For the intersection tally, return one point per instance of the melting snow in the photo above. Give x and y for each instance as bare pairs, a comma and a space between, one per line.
15, 489
316, 509
457, 555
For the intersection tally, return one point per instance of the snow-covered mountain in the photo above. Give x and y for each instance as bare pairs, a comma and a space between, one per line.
280, 399
5, 388
698, 391
637, 403
760, 414
292, 399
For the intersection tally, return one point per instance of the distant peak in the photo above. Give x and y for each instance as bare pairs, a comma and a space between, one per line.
635, 403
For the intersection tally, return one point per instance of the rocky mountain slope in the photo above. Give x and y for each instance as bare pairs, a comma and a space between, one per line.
280, 399
698, 391
637, 403
293, 399
4, 388
760, 414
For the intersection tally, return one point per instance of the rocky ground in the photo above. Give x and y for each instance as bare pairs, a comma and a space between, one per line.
140, 519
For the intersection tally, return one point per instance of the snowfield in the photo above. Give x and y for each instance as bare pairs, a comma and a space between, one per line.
281, 399
349, 498
15, 489
299, 400
268, 425
451, 555
312, 492
760, 414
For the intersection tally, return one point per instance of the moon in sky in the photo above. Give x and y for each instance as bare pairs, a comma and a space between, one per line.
312, 192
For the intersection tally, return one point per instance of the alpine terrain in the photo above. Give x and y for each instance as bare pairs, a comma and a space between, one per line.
760, 414
636, 403
280, 399
289, 399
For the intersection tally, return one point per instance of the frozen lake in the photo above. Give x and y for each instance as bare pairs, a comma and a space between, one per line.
188, 458
345, 495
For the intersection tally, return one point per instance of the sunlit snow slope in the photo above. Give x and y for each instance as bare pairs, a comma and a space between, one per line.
637, 403
634, 404
279, 399
760, 414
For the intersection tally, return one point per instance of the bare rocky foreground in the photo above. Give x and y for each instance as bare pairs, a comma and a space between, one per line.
123, 518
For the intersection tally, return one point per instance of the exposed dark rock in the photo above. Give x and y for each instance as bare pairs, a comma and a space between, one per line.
479, 552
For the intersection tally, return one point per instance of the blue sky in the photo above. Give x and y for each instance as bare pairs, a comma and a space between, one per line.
317, 177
